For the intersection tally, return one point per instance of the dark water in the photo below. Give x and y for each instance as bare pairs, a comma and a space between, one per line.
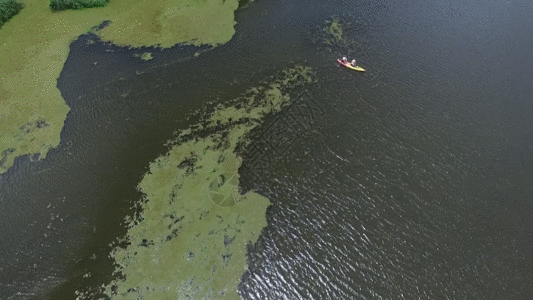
411, 181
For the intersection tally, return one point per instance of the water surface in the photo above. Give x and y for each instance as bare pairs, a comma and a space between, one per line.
411, 180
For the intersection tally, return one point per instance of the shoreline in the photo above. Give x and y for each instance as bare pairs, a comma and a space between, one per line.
32, 111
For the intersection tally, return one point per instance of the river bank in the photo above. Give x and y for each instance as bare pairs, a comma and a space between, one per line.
36, 45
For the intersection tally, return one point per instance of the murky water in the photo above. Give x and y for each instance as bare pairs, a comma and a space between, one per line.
411, 180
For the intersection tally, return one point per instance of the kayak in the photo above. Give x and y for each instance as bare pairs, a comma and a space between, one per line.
348, 65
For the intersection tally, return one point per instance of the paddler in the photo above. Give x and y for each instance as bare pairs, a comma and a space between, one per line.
344, 60
353, 62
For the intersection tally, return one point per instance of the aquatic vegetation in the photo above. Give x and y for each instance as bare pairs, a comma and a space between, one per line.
35, 45
9, 8
144, 56
334, 31
341, 35
191, 237
331, 32
59, 5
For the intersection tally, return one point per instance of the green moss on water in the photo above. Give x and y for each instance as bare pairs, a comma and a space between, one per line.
190, 240
35, 44
145, 56
334, 30
339, 31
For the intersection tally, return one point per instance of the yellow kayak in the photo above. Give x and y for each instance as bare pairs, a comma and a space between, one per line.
348, 65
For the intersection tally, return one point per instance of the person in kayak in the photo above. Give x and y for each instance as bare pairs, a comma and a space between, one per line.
344, 60
353, 63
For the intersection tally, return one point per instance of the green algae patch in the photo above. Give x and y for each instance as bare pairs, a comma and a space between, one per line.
334, 31
34, 46
195, 226
145, 56
341, 31
189, 241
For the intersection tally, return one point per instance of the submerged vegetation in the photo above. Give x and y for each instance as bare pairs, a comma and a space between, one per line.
341, 35
334, 31
59, 5
331, 32
8, 8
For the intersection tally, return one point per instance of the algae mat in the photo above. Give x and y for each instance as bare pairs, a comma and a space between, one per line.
189, 241
34, 46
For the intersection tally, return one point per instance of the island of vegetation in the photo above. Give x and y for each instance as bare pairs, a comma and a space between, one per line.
190, 239
34, 45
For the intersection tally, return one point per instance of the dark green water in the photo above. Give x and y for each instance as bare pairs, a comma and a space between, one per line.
412, 180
